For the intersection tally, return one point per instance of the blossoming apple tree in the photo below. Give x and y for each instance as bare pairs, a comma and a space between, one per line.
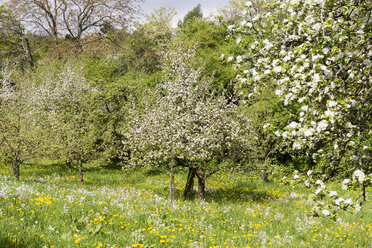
73, 114
20, 136
183, 123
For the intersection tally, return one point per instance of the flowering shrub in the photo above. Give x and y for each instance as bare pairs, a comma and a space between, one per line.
317, 55
328, 202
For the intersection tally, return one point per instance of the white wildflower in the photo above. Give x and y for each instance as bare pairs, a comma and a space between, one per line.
293, 194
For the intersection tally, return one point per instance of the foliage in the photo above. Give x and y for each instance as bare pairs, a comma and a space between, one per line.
191, 16
20, 134
210, 40
73, 115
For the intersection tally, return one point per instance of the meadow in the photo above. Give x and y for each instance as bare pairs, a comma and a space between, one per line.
48, 207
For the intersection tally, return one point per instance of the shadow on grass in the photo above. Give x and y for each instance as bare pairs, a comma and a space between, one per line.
16, 243
237, 194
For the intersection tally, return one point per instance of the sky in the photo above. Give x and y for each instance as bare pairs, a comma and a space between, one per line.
183, 6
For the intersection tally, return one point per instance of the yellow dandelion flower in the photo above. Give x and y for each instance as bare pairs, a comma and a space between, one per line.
78, 240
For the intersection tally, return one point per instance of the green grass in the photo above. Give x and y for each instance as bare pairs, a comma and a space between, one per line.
115, 208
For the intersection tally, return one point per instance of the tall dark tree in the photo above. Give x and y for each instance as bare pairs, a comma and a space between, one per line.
193, 14
14, 43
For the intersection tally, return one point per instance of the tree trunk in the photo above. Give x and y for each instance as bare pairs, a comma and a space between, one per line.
187, 193
16, 169
27, 49
171, 187
80, 166
264, 173
200, 173
68, 164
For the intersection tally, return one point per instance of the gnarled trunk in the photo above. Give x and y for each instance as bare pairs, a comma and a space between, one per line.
187, 193
200, 173
16, 165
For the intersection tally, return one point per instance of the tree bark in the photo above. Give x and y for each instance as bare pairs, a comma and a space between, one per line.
264, 173
187, 193
27, 49
171, 187
200, 173
68, 164
16, 169
80, 166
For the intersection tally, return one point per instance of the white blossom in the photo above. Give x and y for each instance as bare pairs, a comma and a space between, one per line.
359, 175
333, 193
325, 212
293, 124
348, 201
339, 201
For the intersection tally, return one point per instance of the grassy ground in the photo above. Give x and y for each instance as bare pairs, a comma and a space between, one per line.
115, 208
